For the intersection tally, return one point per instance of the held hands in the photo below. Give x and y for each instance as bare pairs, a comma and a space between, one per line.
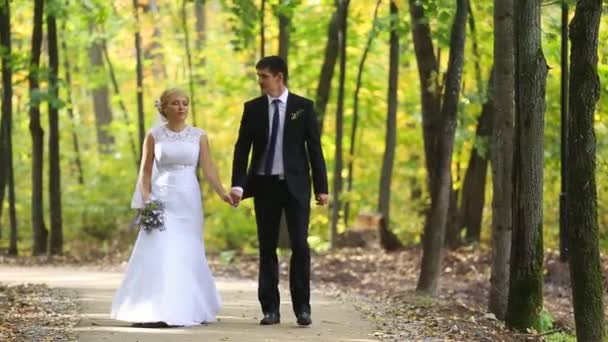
322, 199
235, 197
227, 198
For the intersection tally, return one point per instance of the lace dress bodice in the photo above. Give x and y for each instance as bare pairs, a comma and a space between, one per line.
176, 150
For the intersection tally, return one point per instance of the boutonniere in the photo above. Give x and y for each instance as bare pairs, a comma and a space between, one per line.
296, 114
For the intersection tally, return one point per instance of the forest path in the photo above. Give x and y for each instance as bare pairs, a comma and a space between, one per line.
333, 321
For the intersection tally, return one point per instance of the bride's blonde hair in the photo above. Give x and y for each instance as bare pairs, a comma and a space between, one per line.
162, 102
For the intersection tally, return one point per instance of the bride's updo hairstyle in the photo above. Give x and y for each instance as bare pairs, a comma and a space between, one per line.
163, 101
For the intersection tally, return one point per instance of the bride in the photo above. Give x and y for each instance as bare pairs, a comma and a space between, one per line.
168, 281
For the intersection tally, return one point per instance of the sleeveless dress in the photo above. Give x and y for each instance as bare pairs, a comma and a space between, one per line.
168, 278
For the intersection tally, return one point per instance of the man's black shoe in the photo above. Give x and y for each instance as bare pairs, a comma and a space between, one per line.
304, 319
270, 318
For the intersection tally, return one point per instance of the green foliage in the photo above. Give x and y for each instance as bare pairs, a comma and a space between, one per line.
243, 22
98, 211
545, 322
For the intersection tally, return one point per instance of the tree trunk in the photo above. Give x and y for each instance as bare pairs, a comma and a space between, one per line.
201, 36
101, 101
502, 156
154, 51
585, 263
338, 164
56, 237
435, 235
387, 238
70, 108
526, 278
474, 187
262, 28
284, 32
140, 77
7, 112
563, 218
40, 233
353, 132
327, 70
121, 103
428, 73
189, 60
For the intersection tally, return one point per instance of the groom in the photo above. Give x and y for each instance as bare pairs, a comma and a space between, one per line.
282, 129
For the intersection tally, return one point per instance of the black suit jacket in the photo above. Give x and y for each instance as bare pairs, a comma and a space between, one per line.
302, 151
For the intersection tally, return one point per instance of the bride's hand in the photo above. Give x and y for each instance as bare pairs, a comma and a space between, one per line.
226, 198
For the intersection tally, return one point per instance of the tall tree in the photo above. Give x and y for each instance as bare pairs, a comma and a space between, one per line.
502, 156
338, 163
189, 60
526, 274
434, 234
329, 64
56, 238
70, 106
121, 103
201, 34
154, 49
353, 132
40, 233
585, 263
387, 238
474, 185
140, 76
284, 15
262, 29
101, 98
563, 196
6, 140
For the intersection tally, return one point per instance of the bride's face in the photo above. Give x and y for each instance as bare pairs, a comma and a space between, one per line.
177, 108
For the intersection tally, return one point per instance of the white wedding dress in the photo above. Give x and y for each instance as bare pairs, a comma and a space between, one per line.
168, 278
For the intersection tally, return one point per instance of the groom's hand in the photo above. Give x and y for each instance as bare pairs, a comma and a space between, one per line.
322, 199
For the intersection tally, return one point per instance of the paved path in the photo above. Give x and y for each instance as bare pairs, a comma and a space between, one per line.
238, 321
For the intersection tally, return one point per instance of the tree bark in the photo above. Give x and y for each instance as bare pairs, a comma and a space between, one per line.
435, 235
154, 50
474, 187
526, 277
428, 73
338, 163
201, 36
101, 101
70, 109
387, 238
40, 233
353, 132
121, 103
563, 196
56, 237
329, 64
6, 125
585, 263
502, 156
189, 60
284, 33
140, 77
262, 29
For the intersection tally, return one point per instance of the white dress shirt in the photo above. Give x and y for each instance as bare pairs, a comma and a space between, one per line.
277, 165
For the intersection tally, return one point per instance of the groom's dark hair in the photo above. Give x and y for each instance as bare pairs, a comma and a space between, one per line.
274, 64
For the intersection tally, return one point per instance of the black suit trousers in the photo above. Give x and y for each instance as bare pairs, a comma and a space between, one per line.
272, 197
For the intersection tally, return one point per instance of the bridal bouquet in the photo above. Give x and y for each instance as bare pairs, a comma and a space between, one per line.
151, 216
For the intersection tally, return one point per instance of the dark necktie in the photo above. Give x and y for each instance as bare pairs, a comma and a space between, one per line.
273, 139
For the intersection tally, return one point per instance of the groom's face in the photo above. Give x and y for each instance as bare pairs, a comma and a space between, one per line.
270, 83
